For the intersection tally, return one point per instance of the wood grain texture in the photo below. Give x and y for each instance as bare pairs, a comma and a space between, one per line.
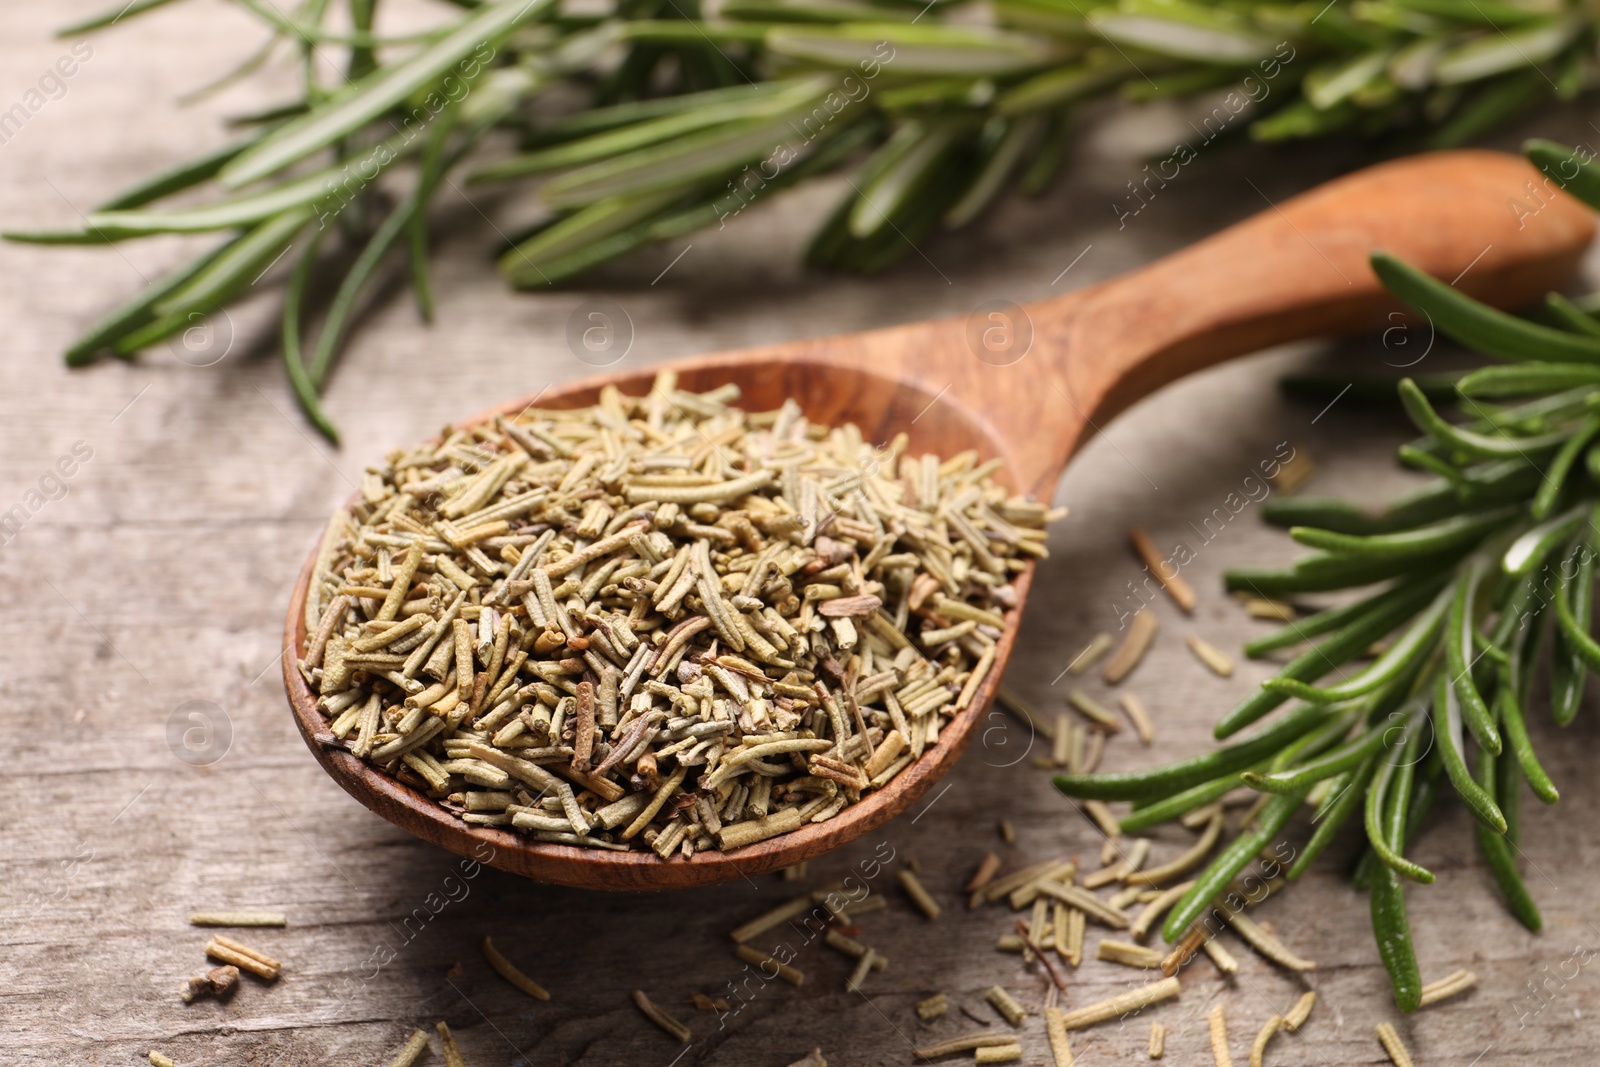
160, 577
1287, 273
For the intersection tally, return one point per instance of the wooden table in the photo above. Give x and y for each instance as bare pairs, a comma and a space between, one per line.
158, 578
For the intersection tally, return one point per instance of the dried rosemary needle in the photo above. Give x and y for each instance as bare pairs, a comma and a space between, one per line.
237, 918
1389, 1038
509, 971
1217, 1023
660, 1018
409, 1053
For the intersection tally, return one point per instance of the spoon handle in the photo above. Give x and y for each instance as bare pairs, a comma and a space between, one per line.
1486, 221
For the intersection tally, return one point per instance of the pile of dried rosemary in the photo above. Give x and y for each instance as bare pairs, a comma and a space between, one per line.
660, 620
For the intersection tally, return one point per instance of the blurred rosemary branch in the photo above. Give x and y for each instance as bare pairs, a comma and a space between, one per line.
641, 120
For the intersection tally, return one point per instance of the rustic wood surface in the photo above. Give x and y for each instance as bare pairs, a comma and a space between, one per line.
158, 576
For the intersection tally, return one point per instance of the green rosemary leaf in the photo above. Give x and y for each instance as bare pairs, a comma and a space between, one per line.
917, 217
1184, 82
1498, 53
1517, 740
1349, 791
1420, 541
1424, 629
363, 58
822, 11
1508, 794
1475, 444
1301, 630
1424, 792
523, 265
1528, 552
1460, 654
1183, 30
1495, 14
305, 392
1498, 101
1478, 326
1573, 598
1229, 862
1054, 19
1393, 932
913, 171
1447, 730
695, 34
111, 17
1323, 572
1300, 119
1412, 66
1571, 315
1328, 737
1342, 759
356, 280
185, 175
1420, 458
1064, 85
1571, 168
1331, 29
556, 269
1526, 379
1532, 416
1555, 476
1386, 802
1331, 84
429, 174
945, 51
136, 312
327, 185
1197, 770
682, 162
599, 119
1379, 616
60, 237
1005, 154
1393, 17
1498, 853
1047, 161
1146, 814
1326, 513
616, 142
352, 108
1493, 482
223, 278
309, 32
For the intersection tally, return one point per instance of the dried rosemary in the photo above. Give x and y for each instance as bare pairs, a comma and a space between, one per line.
660, 622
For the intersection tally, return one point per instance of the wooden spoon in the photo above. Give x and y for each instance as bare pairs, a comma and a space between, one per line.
1030, 385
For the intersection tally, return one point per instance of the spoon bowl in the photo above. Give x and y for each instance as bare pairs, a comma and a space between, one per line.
1028, 385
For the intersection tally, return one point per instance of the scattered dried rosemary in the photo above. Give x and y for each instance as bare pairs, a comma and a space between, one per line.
660, 621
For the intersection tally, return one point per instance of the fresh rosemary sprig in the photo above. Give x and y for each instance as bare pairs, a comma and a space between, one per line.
1479, 568
684, 120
